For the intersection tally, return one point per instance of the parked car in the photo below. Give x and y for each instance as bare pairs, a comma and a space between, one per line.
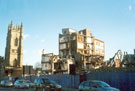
23, 84
46, 83
95, 85
39, 82
6, 83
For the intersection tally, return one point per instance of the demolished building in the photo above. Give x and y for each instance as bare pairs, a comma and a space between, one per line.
79, 48
83, 47
52, 64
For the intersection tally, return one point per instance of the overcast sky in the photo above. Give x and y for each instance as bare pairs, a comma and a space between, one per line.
112, 21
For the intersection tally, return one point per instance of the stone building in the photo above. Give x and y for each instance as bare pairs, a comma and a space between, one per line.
83, 47
14, 51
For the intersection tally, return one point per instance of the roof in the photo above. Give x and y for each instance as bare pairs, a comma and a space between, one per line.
92, 81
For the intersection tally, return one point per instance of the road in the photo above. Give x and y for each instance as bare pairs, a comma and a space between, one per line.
30, 89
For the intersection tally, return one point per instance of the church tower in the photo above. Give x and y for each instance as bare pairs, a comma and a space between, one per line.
14, 46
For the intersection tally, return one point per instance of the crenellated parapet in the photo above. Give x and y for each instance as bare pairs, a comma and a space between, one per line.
18, 28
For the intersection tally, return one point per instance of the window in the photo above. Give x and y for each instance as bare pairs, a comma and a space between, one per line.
45, 65
15, 62
98, 43
16, 42
14, 51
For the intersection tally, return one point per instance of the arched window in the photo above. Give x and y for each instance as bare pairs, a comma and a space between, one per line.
16, 42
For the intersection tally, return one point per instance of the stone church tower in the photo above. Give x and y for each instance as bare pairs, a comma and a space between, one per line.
14, 46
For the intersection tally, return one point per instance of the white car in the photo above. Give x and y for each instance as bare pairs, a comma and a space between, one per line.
23, 84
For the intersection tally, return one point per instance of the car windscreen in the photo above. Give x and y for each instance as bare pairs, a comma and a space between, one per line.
27, 81
53, 82
103, 84
46, 81
20, 81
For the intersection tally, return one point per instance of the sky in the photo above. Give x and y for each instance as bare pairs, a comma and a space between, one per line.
112, 21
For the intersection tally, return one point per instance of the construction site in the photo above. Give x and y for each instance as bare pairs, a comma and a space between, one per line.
81, 52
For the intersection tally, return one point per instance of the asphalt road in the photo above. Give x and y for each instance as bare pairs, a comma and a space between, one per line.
30, 89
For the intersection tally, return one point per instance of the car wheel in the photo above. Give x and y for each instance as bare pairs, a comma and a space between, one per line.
80, 90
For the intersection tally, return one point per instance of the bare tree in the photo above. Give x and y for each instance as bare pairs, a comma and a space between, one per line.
1, 60
37, 65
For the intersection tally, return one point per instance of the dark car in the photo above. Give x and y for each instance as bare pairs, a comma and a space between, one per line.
95, 85
47, 84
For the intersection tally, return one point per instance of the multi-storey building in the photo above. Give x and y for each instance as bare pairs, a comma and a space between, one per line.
79, 48
82, 46
14, 51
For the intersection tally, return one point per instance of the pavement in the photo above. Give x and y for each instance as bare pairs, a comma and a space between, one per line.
31, 89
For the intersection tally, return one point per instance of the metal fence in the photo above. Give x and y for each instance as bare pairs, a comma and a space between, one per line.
125, 81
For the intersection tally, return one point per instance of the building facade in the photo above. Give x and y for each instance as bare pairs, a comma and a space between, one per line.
83, 47
14, 50
28, 70
80, 48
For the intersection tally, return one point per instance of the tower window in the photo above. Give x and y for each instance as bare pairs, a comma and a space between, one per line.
14, 51
15, 62
16, 42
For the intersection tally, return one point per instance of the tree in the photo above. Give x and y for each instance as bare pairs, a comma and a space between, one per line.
1, 59
1, 66
37, 65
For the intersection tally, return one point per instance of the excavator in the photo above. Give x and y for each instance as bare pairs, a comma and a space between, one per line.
118, 56
124, 60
